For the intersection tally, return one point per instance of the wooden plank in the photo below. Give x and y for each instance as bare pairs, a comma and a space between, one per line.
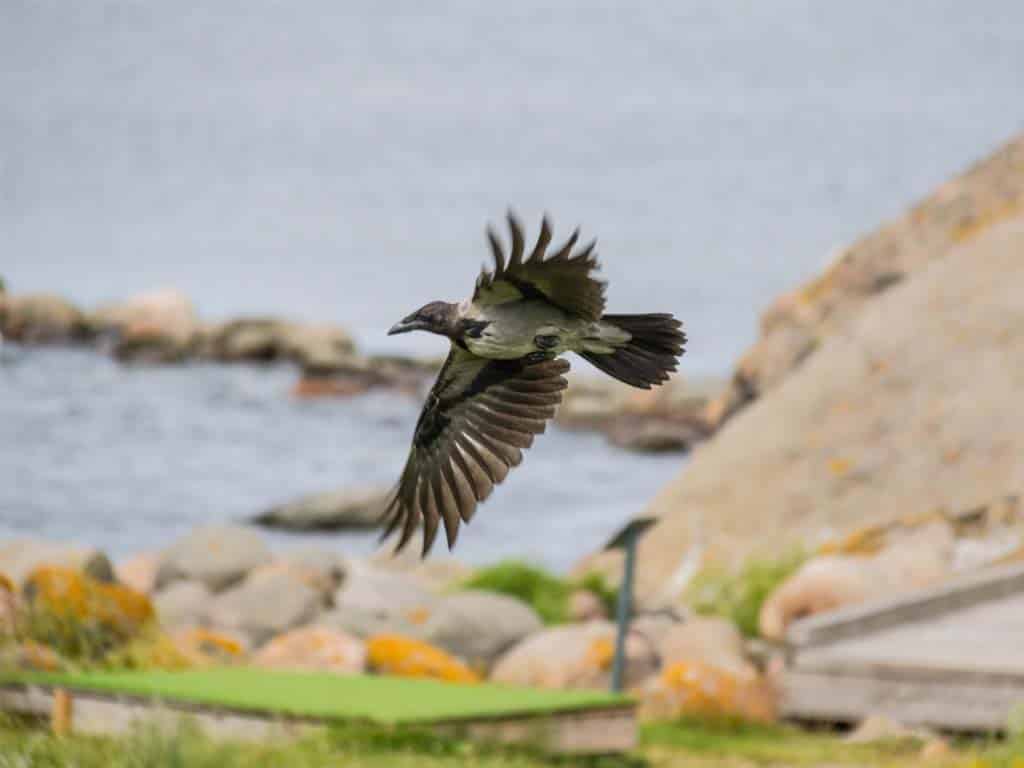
859, 620
915, 700
602, 730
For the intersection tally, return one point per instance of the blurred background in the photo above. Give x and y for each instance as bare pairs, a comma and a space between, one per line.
338, 165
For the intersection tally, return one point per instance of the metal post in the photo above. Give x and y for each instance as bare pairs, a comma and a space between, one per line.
625, 608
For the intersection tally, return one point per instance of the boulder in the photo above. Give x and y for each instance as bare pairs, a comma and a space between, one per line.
159, 326
881, 728
76, 611
217, 555
574, 656
139, 571
478, 626
202, 647
873, 426
409, 657
19, 557
694, 689
584, 605
264, 339
656, 435
375, 601
42, 318
314, 649
265, 604
709, 641
323, 570
351, 508
30, 656
182, 604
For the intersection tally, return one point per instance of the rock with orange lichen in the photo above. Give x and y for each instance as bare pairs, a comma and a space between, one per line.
30, 655
574, 656
408, 657
697, 689
207, 647
139, 572
79, 615
314, 648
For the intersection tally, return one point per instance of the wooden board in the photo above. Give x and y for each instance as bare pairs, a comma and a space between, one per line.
950, 657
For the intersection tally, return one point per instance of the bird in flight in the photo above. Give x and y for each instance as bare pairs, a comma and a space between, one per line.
503, 377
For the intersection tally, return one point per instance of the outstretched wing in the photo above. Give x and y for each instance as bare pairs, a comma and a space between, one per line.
479, 417
565, 279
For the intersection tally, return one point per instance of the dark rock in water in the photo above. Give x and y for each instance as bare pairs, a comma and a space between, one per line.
355, 375
268, 339
156, 327
654, 435
332, 511
42, 318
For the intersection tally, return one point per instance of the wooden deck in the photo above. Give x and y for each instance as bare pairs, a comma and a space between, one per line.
951, 657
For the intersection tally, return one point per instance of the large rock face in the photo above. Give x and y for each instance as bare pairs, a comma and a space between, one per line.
915, 407
793, 327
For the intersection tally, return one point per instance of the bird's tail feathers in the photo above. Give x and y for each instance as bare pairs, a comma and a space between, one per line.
649, 355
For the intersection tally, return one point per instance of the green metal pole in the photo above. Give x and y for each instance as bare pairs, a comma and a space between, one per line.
625, 608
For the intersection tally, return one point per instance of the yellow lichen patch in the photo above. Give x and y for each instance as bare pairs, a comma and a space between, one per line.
406, 657
863, 541
418, 616
693, 688
600, 653
155, 651
975, 225
839, 467
207, 647
6, 585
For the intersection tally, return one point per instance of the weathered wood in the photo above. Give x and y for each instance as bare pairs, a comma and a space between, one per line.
61, 712
950, 657
598, 731
915, 700
858, 620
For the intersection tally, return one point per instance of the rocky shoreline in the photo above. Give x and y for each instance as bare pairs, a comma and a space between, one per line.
220, 595
162, 327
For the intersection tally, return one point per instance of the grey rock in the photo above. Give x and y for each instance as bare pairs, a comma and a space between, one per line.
265, 604
333, 511
478, 626
218, 556
182, 604
373, 601
19, 557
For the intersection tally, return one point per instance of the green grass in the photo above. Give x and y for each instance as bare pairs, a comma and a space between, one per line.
546, 593
187, 747
361, 697
738, 595
682, 744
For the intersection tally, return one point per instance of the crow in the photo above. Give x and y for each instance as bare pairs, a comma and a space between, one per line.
503, 378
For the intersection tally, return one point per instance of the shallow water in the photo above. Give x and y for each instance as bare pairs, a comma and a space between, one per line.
128, 458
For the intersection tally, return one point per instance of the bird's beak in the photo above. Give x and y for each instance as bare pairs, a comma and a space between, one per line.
408, 324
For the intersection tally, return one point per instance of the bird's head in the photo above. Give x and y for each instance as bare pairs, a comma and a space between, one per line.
437, 317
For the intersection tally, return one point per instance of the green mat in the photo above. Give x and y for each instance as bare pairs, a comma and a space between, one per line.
389, 700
